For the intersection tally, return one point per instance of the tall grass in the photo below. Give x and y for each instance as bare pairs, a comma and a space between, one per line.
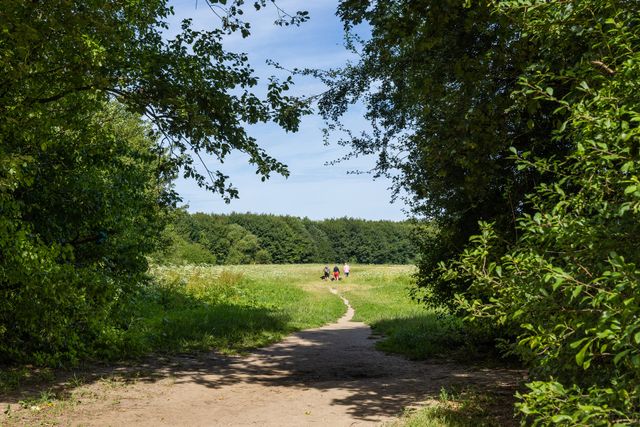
230, 309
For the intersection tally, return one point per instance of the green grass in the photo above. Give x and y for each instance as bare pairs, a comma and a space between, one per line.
380, 296
461, 409
236, 308
230, 309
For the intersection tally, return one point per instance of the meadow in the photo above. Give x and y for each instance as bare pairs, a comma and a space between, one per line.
236, 308
229, 309
233, 309
381, 298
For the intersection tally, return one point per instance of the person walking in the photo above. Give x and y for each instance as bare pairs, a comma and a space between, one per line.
336, 273
346, 270
326, 273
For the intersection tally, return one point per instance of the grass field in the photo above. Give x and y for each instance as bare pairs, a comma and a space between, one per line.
228, 308
232, 309
380, 296
236, 308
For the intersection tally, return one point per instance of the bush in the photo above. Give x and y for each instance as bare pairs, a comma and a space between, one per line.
570, 287
80, 209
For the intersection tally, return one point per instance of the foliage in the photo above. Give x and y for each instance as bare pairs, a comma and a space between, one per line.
197, 94
450, 87
263, 239
435, 78
178, 250
569, 288
84, 184
71, 248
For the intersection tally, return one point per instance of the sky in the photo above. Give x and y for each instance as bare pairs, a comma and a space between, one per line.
313, 189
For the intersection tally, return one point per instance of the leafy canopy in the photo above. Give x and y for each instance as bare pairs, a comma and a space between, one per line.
436, 79
197, 94
85, 185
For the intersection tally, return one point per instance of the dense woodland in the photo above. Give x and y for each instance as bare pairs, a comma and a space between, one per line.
513, 126
271, 239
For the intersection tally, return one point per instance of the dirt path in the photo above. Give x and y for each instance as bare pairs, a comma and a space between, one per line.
329, 376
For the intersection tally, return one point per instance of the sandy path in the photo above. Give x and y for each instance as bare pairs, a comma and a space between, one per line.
329, 376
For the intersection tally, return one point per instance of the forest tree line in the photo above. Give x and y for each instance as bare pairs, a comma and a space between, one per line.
265, 239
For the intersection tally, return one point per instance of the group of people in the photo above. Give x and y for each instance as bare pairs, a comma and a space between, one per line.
336, 272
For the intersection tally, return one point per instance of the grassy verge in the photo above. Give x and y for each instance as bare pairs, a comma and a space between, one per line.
230, 309
227, 308
461, 409
380, 298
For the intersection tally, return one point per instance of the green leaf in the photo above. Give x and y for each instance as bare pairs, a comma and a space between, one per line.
561, 418
575, 344
577, 291
619, 356
580, 356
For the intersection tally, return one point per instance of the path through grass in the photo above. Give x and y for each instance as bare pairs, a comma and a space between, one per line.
232, 309
380, 296
227, 308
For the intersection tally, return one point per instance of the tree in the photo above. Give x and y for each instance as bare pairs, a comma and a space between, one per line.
452, 87
71, 248
196, 94
84, 185
177, 249
244, 246
249, 238
436, 79
569, 286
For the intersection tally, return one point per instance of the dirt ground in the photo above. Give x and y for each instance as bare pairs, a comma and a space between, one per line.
329, 376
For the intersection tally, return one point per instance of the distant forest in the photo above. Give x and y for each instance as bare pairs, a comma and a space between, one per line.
265, 239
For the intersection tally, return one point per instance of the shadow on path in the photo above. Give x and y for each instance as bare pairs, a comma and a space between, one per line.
368, 385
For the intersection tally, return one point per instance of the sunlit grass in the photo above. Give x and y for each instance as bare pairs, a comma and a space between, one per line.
227, 308
235, 308
380, 296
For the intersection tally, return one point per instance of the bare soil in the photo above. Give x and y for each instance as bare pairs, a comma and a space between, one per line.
329, 376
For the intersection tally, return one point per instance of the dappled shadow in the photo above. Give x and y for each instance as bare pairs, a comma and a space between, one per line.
186, 323
340, 356
431, 335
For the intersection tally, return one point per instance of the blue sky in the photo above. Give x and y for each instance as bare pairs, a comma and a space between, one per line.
312, 190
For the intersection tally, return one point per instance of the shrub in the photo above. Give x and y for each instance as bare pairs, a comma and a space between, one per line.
570, 287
